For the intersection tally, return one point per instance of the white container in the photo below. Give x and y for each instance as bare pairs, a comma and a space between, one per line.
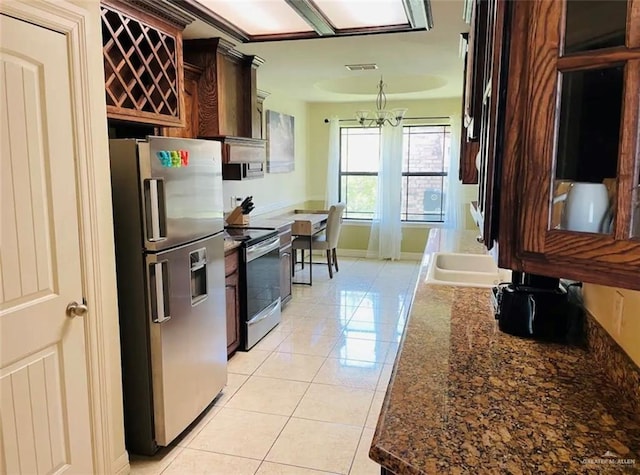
585, 207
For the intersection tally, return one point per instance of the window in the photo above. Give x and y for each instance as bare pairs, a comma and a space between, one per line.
425, 165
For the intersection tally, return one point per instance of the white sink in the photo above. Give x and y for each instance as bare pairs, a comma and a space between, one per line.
466, 270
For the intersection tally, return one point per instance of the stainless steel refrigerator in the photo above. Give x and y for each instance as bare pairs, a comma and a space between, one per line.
168, 221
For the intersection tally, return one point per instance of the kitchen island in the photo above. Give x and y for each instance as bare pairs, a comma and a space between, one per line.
467, 398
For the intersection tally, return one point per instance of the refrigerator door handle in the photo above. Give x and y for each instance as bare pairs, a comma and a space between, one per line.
156, 215
159, 291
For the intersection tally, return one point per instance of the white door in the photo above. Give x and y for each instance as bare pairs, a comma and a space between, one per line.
44, 399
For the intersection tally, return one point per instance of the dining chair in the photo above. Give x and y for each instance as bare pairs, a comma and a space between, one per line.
327, 241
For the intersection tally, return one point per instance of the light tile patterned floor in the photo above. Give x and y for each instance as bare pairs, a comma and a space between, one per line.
306, 399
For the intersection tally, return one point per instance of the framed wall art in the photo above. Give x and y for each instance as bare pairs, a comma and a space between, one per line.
280, 142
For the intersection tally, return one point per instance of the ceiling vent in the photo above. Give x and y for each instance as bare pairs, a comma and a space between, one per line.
361, 67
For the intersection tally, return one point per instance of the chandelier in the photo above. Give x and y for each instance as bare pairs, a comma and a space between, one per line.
380, 116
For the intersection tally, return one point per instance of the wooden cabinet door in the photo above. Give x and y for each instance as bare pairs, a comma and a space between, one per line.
474, 69
191, 110
484, 97
232, 292
468, 173
285, 274
492, 114
579, 212
285, 235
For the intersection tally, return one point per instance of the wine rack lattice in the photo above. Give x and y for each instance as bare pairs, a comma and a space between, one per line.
141, 69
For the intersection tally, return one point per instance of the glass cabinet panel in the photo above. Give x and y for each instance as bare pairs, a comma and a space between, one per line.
595, 24
587, 153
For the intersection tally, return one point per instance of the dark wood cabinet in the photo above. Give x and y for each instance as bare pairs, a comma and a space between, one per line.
190, 93
227, 91
286, 289
481, 67
285, 274
475, 71
232, 292
560, 138
467, 172
258, 115
485, 101
580, 104
142, 51
492, 116
229, 105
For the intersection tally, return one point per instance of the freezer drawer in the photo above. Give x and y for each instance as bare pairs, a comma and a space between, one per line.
187, 328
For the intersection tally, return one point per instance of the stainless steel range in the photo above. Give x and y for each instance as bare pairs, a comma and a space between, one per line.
259, 282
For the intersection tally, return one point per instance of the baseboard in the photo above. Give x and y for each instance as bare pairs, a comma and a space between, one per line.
351, 252
361, 253
121, 465
411, 256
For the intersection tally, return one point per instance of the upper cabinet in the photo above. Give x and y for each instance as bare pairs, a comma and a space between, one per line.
473, 45
222, 103
468, 172
142, 49
227, 89
474, 77
484, 110
569, 170
192, 76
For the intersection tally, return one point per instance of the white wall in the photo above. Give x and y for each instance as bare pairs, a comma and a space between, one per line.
601, 302
277, 190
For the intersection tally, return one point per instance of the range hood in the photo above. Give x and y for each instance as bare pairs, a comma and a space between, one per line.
242, 158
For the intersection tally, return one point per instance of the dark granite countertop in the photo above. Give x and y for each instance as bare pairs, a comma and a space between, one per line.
467, 398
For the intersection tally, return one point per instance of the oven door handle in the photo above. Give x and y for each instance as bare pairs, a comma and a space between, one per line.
267, 312
262, 248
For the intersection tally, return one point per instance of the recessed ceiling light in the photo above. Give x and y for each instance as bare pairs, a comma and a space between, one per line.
361, 67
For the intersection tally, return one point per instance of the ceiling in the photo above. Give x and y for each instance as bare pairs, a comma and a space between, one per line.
414, 64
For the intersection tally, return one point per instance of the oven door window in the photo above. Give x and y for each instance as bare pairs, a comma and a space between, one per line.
263, 282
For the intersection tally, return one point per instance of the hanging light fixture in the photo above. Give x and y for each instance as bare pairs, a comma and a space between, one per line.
380, 116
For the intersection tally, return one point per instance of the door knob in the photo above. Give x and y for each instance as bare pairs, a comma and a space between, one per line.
75, 309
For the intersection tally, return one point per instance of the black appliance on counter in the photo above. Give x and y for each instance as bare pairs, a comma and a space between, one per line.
538, 307
260, 305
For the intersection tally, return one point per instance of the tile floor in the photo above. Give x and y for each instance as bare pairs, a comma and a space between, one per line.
306, 399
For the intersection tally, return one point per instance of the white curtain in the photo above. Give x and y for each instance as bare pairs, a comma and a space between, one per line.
386, 226
333, 164
454, 212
